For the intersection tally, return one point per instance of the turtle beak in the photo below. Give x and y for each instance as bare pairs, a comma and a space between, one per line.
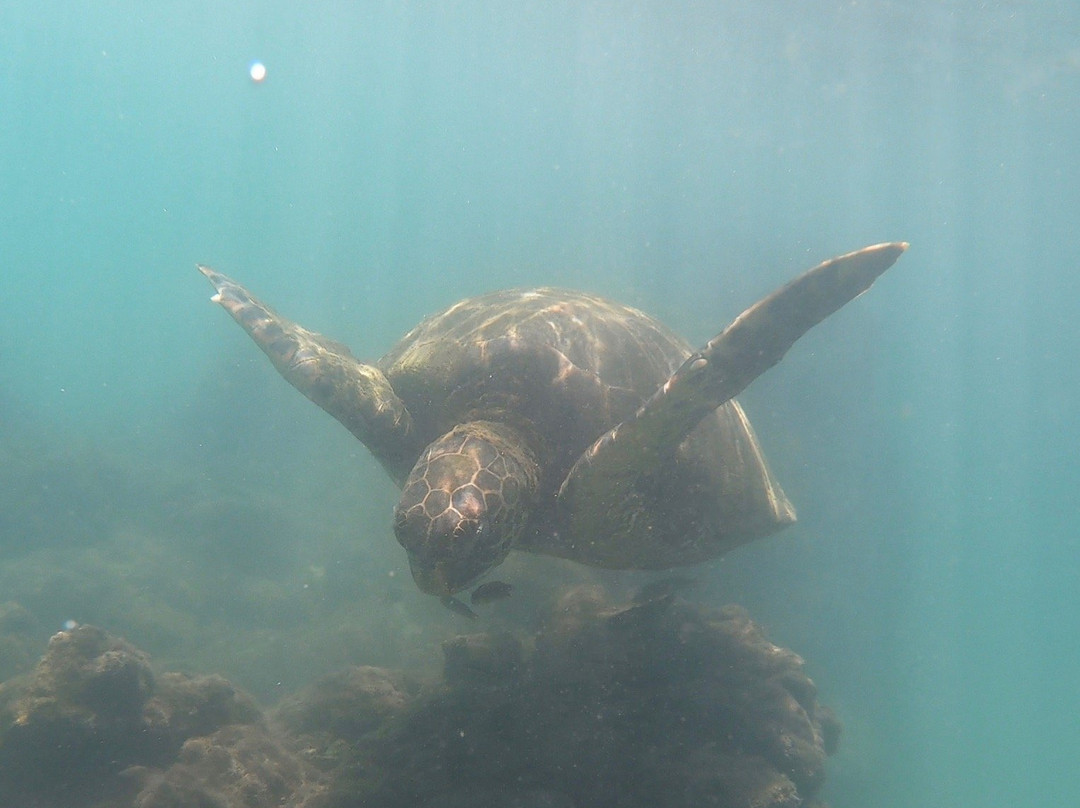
432, 579
444, 576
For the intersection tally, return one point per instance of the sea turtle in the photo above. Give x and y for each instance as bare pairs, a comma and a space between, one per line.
560, 423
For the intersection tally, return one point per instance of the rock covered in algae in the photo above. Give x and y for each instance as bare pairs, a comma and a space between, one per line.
478, 659
87, 677
79, 717
198, 705
658, 703
348, 704
239, 766
92, 710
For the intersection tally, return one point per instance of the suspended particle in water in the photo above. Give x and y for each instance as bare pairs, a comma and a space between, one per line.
257, 71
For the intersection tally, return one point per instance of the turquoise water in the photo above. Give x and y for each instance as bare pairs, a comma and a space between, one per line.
161, 481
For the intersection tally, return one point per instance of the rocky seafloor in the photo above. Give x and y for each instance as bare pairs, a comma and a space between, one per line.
658, 703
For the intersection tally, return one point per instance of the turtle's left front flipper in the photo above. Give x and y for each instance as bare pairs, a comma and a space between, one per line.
753, 343
356, 394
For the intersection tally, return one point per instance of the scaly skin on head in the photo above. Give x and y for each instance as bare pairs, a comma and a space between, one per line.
465, 504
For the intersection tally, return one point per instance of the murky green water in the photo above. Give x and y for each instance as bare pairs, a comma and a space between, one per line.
159, 480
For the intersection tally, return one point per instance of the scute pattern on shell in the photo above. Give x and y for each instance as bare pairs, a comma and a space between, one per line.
560, 366
619, 344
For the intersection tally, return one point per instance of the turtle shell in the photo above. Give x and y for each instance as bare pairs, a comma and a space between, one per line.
563, 367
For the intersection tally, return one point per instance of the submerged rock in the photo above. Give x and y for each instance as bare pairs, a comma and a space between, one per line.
198, 705
657, 703
239, 765
473, 659
92, 710
87, 677
653, 704
78, 719
501, 798
348, 704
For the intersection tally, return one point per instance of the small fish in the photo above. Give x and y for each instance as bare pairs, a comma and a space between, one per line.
457, 606
662, 588
490, 591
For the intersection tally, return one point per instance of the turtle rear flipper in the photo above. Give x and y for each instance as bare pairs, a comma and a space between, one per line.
608, 472
356, 394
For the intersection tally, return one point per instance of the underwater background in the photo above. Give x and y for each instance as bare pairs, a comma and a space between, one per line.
159, 480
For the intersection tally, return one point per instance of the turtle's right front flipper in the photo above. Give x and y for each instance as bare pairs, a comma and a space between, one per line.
356, 394
753, 343
611, 469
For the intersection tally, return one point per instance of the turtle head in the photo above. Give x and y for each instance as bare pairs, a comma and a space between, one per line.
465, 504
